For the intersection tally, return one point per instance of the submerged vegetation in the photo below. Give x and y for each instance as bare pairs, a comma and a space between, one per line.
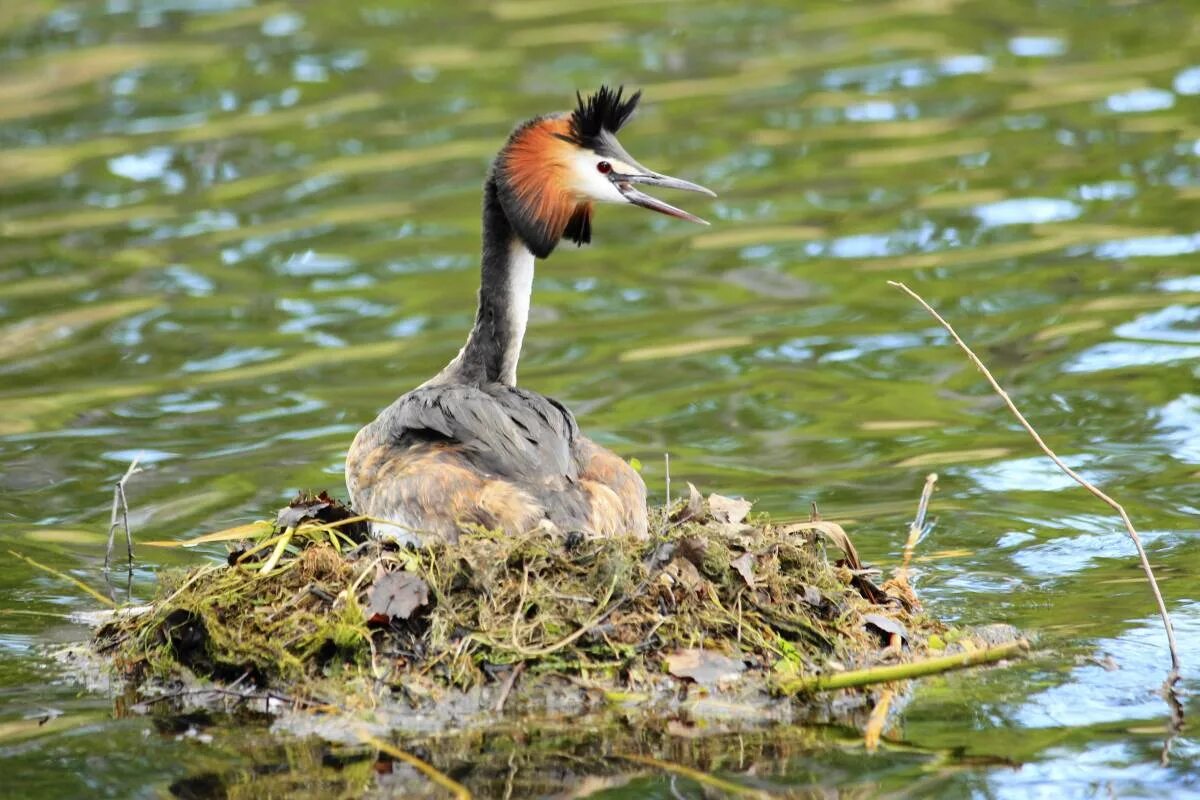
312, 613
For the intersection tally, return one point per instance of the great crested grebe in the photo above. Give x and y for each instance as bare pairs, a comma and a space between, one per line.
468, 445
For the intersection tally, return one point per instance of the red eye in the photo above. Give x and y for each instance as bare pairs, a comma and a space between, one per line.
604, 167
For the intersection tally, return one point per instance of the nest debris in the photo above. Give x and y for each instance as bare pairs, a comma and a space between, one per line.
310, 606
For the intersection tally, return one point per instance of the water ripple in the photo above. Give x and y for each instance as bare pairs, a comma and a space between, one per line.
1027, 211
230, 232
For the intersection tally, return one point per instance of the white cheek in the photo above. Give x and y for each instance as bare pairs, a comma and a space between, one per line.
589, 183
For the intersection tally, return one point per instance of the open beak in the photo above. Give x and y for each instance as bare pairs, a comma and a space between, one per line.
625, 185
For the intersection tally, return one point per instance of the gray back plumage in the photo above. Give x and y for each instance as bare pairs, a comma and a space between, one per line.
503, 430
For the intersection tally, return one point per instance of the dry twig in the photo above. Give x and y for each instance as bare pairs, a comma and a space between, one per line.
121, 507
667, 478
1173, 676
507, 688
916, 528
918, 524
903, 672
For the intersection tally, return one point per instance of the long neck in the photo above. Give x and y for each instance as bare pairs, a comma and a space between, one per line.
506, 282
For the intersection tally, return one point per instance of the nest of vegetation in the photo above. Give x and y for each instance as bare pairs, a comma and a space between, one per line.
717, 601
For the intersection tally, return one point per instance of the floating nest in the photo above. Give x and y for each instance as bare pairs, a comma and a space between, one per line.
717, 605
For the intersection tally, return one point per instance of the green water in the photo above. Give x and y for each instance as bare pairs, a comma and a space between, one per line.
230, 233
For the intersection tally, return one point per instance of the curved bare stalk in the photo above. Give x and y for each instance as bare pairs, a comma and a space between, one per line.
1173, 676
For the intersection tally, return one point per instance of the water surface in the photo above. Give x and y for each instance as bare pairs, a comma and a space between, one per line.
230, 232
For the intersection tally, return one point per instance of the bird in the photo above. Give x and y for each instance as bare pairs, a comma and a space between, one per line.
469, 446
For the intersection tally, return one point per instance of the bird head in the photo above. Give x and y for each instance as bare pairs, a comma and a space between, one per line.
555, 168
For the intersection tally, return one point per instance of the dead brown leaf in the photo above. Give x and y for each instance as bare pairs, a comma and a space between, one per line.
867, 588
886, 625
320, 508
693, 510
685, 575
834, 533
694, 549
396, 595
744, 564
302, 508
728, 509
706, 667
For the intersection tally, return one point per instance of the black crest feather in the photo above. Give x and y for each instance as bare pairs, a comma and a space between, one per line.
604, 111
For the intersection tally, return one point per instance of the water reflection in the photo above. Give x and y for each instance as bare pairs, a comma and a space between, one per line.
1149, 247
1179, 421
1113, 687
231, 231
1118, 355
1026, 211
1033, 474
